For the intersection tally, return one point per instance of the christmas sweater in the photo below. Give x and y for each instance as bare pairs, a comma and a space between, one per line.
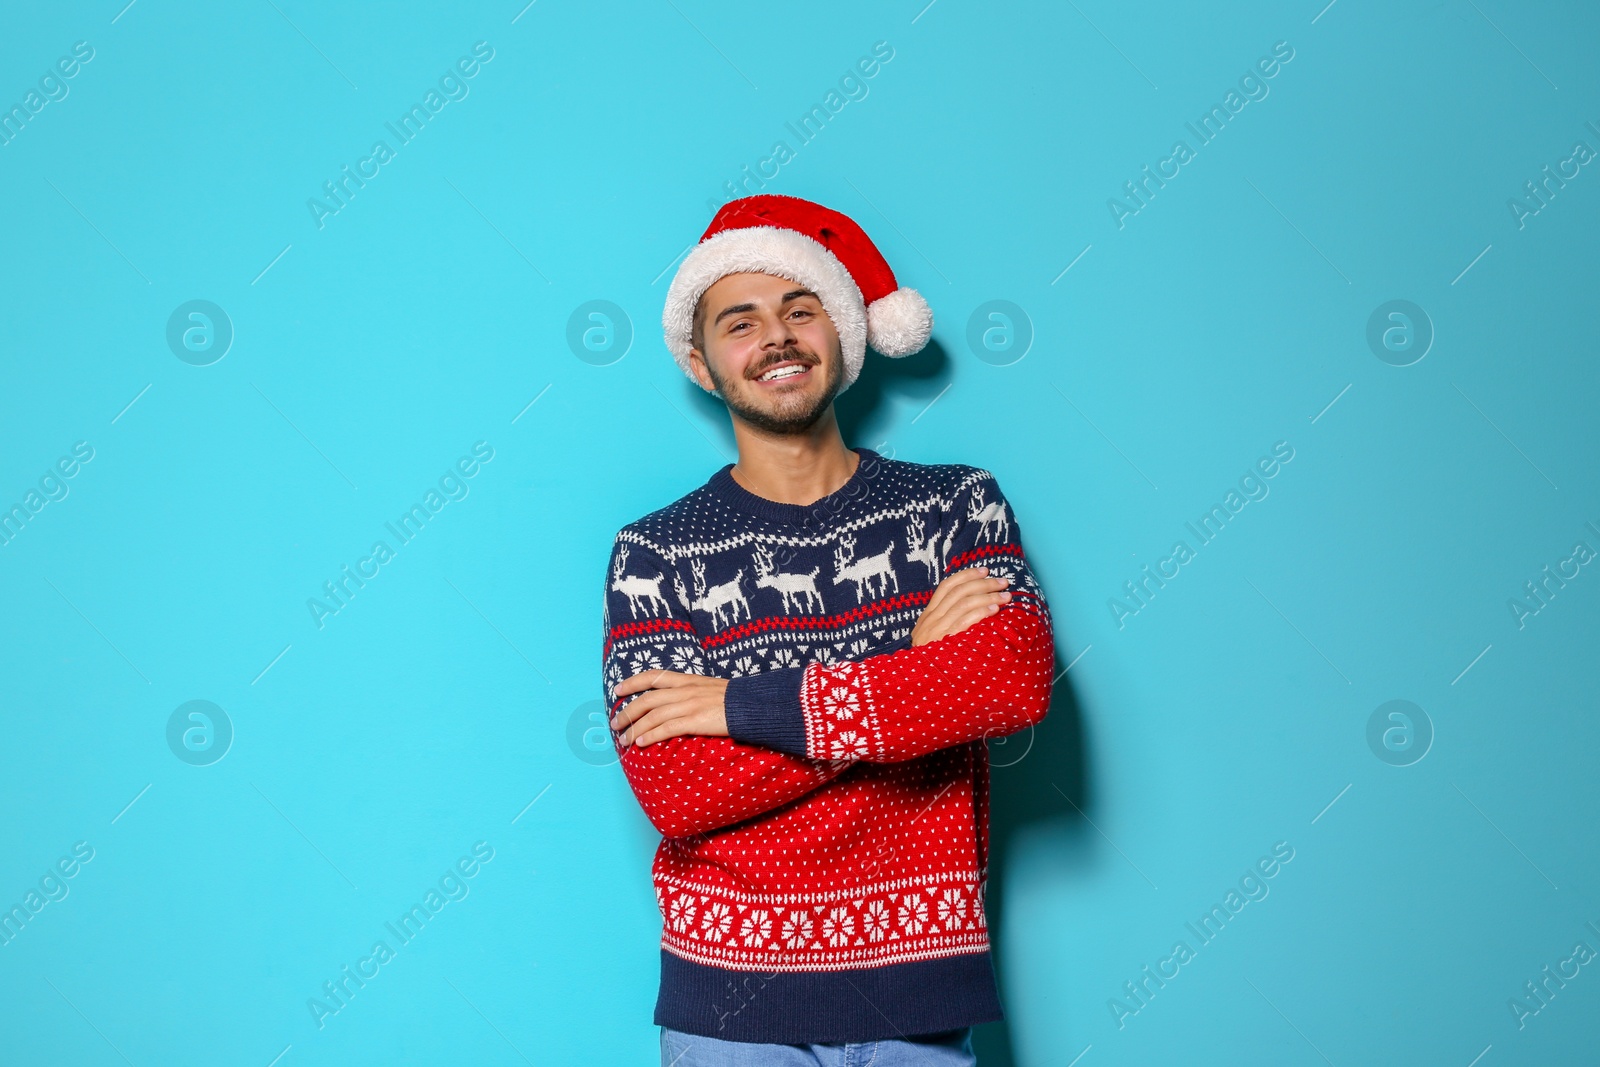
822, 869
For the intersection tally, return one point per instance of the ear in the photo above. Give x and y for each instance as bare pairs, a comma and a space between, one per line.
702, 374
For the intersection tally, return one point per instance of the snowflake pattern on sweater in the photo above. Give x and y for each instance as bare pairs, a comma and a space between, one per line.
844, 823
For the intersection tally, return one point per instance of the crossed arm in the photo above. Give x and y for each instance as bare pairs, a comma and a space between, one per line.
672, 704
702, 753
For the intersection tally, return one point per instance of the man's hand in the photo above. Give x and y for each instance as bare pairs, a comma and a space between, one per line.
962, 599
671, 704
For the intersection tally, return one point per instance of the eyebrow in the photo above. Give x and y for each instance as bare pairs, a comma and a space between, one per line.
740, 309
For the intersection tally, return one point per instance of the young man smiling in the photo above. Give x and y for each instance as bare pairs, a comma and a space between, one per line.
803, 658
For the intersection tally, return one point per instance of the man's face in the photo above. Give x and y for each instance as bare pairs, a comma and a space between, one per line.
758, 324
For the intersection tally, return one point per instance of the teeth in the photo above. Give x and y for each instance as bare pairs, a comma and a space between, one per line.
782, 372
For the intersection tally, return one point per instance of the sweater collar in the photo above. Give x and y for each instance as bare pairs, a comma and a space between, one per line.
826, 511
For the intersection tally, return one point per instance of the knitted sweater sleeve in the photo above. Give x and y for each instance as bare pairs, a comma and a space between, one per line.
991, 679
687, 785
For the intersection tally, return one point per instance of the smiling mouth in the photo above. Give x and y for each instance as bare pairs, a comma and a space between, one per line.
783, 372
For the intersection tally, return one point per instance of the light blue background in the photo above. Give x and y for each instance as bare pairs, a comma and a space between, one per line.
1227, 315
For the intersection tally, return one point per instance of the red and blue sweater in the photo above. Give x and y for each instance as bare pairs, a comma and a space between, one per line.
822, 869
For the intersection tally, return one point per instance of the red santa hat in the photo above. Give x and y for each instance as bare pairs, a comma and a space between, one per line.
821, 249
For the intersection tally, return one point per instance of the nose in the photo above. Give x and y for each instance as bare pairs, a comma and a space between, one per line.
776, 332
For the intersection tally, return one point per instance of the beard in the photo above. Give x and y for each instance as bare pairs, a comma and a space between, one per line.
784, 413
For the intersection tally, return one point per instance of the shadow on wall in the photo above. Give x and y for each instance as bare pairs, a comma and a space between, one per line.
1037, 776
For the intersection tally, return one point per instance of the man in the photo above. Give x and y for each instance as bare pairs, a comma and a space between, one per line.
803, 658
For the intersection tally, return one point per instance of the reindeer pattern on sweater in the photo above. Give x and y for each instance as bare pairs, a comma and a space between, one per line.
823, 576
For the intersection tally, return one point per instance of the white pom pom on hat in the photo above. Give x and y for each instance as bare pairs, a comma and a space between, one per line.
820, 248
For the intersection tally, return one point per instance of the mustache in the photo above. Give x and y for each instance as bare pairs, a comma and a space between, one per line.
788, 355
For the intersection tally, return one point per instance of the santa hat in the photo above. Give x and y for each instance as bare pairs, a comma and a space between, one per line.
819, 248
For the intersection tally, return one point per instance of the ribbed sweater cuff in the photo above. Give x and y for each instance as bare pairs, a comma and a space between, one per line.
764, 709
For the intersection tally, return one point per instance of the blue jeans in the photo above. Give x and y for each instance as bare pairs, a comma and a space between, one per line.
950, 1049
